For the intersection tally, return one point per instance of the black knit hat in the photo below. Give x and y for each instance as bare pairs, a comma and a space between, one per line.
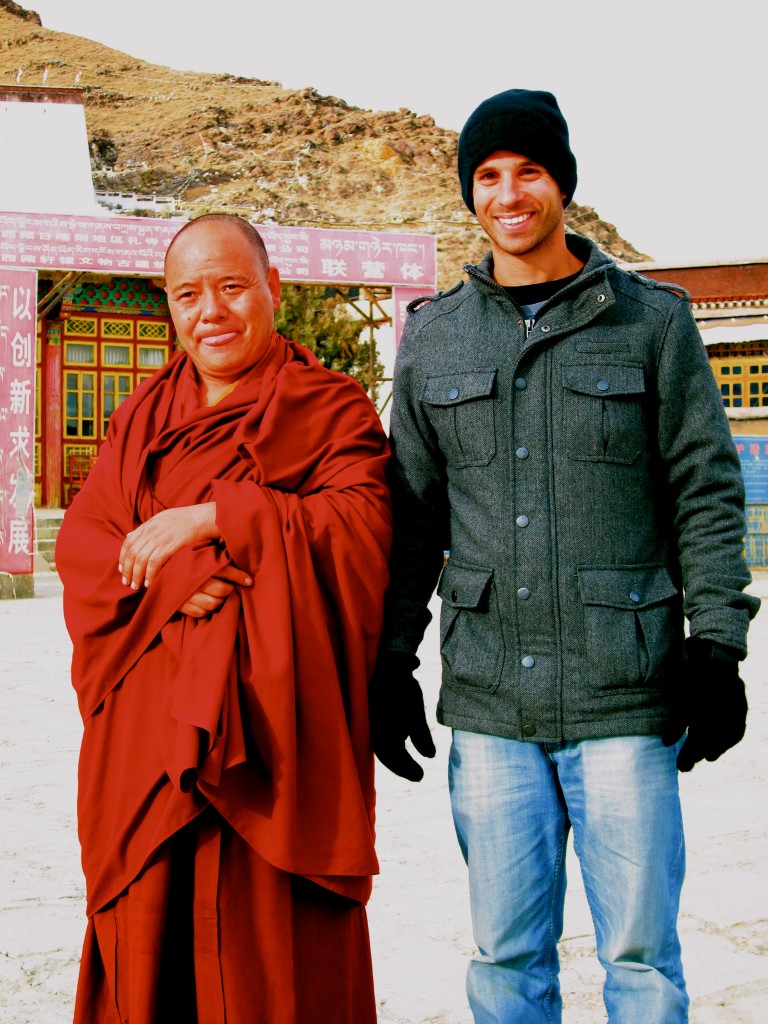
523, 121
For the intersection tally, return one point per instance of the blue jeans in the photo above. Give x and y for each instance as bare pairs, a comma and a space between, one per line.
513, 804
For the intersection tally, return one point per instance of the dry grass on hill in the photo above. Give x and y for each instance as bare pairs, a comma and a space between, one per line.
280, 155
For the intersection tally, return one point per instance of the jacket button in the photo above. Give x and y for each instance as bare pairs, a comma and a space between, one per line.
545, 328
454, 595
523, 593
521, 383
528, 661
634, 596
453, 393
522, 520
522, 453
529, 730
603, 385
601, 297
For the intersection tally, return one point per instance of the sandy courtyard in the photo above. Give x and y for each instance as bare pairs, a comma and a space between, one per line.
419, 914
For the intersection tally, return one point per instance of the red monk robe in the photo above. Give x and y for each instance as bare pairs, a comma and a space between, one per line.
226, 779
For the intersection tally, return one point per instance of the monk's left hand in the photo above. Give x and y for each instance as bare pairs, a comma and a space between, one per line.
212, 594
147, 548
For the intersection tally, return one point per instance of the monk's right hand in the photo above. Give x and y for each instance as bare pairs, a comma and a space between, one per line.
146, 549
214, 592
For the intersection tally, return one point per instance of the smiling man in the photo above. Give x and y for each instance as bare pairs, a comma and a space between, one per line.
224, 570
557, 428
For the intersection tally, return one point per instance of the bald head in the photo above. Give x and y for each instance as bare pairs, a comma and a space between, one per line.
222, 298
248, 231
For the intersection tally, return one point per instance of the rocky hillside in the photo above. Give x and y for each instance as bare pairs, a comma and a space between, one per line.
275, 154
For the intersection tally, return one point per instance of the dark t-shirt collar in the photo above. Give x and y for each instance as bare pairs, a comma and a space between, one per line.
538, 293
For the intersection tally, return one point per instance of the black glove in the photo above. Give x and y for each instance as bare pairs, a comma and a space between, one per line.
397, 713
712, 703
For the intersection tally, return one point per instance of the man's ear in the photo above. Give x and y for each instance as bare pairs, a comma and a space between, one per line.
273, 282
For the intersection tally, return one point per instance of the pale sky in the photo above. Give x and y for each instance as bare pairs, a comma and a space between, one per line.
665, 99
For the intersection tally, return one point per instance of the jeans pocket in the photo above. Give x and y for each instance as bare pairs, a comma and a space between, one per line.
471, 638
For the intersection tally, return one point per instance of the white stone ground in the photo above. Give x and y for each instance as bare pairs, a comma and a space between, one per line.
419, 913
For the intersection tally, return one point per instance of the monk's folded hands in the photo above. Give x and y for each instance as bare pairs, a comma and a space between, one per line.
146, 549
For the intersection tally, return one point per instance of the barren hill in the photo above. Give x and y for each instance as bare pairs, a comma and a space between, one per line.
251, 146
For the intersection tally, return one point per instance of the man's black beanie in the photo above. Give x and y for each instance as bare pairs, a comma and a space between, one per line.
523, 121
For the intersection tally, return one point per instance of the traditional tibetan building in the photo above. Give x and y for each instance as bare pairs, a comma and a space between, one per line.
99, 338
730, 304
92, 283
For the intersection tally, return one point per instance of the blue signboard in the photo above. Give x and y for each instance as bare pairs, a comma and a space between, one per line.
753, 452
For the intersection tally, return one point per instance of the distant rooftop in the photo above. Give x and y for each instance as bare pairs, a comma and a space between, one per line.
695, 264
39, 94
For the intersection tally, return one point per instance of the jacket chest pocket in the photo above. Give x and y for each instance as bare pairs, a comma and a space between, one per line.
603, 412
460, 407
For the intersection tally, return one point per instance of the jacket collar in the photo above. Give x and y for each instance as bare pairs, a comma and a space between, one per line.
585, 299
596, 263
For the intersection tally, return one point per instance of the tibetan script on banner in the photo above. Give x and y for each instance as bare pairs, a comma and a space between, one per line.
136, 245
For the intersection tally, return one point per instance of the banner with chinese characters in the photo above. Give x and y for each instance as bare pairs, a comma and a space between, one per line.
136, 245
18, 323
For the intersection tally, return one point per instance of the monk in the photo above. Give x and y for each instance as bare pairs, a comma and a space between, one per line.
224, 570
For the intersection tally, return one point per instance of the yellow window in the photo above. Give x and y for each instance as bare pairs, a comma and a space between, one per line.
115, 388
81, 327
116, 355
116, 328
152, 330
79, 404
79, 353
152, 357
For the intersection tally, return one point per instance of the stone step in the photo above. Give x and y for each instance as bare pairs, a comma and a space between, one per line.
52, 514
47, 530
47, 525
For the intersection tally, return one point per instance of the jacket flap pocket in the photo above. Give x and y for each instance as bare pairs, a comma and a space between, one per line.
634, 587
462, 587
454, 388
602, 380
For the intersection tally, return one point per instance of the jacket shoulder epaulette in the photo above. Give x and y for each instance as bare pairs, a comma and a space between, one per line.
424, 299
667, 286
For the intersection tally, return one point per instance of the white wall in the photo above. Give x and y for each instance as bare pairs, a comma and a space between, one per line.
45, 167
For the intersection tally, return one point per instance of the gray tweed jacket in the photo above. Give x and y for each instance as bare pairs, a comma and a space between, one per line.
585, 482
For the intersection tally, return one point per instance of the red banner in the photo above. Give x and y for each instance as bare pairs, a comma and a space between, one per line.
351, 257
400, 299
18, 319
136, 245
